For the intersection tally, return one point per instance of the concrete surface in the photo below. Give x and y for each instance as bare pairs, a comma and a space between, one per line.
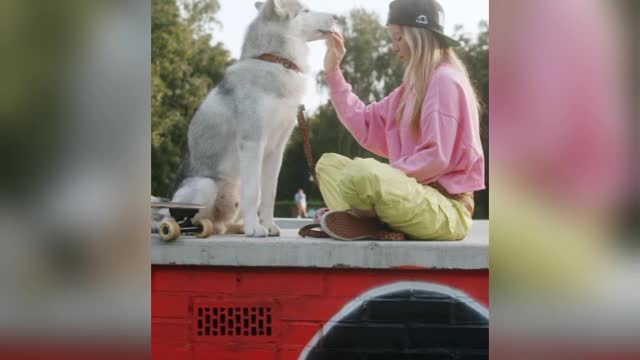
290, 250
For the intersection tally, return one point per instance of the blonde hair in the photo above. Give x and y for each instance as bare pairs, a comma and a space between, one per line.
427, 53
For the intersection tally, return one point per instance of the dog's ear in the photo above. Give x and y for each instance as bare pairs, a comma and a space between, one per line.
259, 5
278, 7
274, 9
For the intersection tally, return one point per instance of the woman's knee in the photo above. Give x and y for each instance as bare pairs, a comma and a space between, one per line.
360, 185
330, 161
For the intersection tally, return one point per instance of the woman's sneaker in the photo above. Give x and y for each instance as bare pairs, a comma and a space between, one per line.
319, 213
313, 230
345, 225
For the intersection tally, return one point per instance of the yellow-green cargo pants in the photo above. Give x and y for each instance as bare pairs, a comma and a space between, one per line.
419, 211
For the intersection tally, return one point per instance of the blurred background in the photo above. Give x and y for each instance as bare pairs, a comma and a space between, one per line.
564, 269
76, 120
74, 185
193, 42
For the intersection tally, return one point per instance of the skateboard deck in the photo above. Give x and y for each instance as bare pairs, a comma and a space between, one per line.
182, 221
170, 205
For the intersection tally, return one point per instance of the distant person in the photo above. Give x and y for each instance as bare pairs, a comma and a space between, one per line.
301, 203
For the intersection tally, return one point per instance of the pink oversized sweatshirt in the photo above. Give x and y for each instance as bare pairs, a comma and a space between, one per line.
448, 149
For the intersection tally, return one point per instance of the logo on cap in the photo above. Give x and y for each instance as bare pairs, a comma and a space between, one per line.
422, 20
440, 17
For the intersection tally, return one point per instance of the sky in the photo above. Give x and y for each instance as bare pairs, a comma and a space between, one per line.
236, 15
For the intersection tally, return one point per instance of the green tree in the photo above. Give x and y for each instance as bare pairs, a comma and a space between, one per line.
370, 67
184, 67
475, 54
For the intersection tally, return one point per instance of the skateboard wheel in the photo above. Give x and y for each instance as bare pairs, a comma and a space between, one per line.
207, 228
169, 230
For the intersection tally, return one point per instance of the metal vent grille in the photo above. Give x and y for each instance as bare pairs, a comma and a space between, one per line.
233, 321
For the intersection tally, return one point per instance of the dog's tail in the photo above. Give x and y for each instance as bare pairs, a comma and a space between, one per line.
235, 228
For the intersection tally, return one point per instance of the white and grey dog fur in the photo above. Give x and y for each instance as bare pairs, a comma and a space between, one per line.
238, 134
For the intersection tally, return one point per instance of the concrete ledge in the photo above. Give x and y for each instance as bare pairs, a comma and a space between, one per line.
289, 250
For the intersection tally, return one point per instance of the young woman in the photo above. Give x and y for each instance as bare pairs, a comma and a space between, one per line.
428, 128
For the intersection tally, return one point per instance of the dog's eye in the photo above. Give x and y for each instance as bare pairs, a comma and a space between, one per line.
306, 11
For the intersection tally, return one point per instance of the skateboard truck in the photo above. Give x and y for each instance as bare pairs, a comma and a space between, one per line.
182, 222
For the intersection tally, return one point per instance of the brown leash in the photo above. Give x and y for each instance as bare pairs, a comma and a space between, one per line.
304, 131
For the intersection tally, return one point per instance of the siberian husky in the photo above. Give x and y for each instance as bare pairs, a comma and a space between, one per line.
238, 134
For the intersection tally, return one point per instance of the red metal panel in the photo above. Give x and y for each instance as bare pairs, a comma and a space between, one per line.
194, 279
298, 333
170, 305
166, 351
307, 308
214, 352
303, 301
171, 331
280, 282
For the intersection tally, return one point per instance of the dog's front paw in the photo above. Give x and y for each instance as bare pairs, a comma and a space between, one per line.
255, 230
273, 229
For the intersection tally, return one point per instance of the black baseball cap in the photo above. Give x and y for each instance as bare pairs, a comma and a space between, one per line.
427, 14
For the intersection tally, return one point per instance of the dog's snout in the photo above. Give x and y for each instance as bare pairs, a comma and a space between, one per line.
340, 20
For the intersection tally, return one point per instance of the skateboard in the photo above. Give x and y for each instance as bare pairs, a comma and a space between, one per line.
182, 221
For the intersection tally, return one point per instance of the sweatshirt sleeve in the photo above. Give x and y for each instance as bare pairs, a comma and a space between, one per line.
367, 123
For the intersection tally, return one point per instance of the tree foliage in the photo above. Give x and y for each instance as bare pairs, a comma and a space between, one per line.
184, 66
475, 54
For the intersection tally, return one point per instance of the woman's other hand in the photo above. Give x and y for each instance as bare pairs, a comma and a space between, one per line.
335, 52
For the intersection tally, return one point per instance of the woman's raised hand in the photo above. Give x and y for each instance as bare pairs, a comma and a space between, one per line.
335, 52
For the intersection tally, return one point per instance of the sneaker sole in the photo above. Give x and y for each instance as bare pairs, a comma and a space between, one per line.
342, 225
